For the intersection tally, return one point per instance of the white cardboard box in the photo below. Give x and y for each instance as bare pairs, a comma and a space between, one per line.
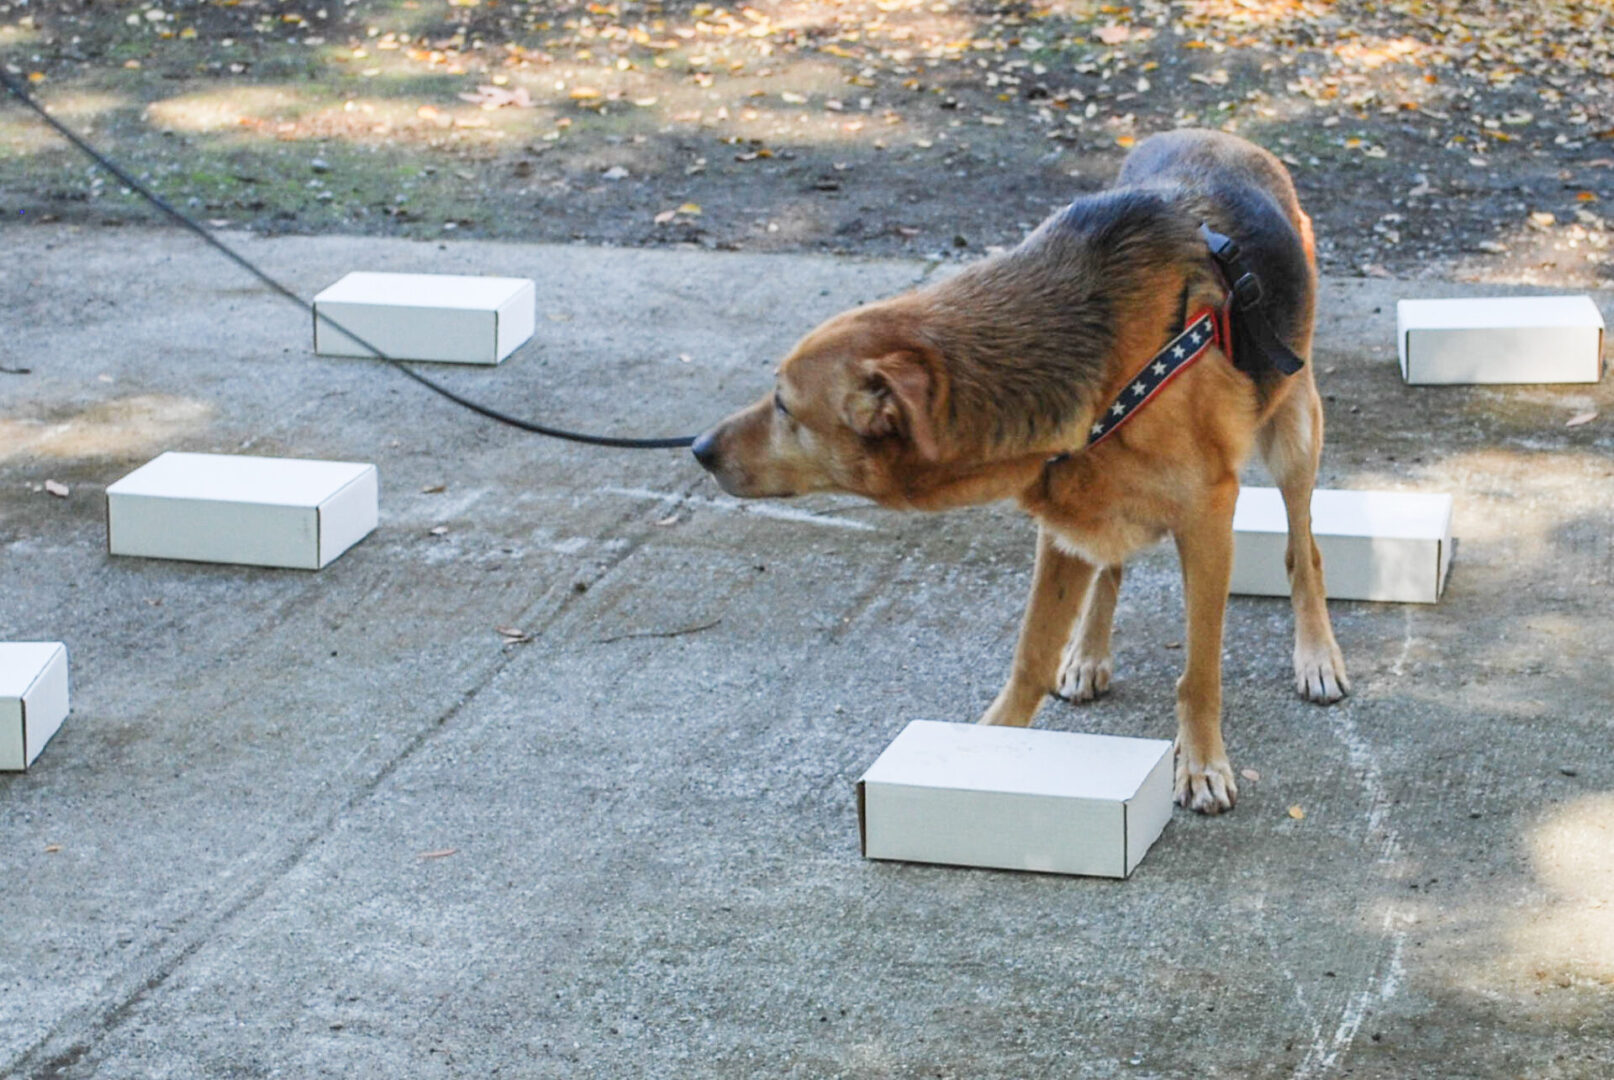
1016, 799
228, 508
462, 320
33, 699
1500, 339
1376, 545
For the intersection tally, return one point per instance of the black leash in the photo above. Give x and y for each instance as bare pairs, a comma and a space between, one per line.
22, 94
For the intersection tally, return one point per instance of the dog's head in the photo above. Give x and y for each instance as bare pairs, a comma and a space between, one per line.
853, 408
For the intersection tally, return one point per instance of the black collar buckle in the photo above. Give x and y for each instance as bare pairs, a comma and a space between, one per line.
1247, 291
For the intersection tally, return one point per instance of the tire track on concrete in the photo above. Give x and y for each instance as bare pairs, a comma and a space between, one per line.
1387, 970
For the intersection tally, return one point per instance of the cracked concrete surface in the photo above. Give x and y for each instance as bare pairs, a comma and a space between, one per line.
654, 867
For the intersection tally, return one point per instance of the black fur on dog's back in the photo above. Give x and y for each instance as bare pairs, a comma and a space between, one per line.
1245, 193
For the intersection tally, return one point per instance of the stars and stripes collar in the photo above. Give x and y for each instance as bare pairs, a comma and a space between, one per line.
1202, 331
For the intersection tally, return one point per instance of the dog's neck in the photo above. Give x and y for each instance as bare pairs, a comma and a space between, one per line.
1036, 341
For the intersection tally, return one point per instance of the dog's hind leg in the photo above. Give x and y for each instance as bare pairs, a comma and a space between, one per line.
1291, 444
1059, 585
1084, 671
1205, 545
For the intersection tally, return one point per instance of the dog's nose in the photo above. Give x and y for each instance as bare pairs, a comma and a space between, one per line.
705, 450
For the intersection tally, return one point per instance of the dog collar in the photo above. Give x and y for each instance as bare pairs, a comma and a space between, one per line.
1250, 343
1202, 331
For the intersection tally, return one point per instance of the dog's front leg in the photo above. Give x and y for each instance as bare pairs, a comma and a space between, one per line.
1084, 671
1205, 546
1058, 587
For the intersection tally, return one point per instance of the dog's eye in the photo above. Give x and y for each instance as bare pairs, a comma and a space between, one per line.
779, 404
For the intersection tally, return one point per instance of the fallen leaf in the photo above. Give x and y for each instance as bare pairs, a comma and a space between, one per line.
512, 635
443, 854
665, 216
692, 209
670, 519
438, 530
61, 491
1249, 774
584, 93
495, 97
434, 489
1542, 219
51, 849
1581, 418
1296, 813
615, 172
1112, 34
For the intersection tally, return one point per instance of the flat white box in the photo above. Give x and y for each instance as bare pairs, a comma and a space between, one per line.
453, 318
33, 699
1016, 799
1500, 339
256, 511
1376, 545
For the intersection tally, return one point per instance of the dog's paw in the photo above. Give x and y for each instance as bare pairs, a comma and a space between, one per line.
1083, 678
1206, 788
1320, 673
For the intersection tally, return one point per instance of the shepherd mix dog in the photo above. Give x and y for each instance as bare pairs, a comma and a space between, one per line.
984, 386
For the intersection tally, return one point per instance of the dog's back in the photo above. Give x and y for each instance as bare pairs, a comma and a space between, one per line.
1246, 194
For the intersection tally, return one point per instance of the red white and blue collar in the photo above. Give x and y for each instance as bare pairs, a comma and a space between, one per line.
1203, 330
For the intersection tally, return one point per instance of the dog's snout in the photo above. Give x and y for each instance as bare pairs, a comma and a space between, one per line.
705, 450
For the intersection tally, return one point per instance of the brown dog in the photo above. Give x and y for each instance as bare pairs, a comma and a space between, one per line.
985, 385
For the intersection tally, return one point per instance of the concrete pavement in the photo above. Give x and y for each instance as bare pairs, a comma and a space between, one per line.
654, 867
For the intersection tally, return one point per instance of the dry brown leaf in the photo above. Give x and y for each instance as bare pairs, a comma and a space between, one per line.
434, 489
443, 854
495, 97
51, 849
1297, 813
1581, 418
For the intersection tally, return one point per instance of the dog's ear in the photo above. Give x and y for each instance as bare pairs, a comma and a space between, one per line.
895, 399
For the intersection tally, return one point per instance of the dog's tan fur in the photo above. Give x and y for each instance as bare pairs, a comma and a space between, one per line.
963, 391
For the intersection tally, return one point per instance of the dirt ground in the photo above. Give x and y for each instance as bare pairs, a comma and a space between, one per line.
1469, 141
